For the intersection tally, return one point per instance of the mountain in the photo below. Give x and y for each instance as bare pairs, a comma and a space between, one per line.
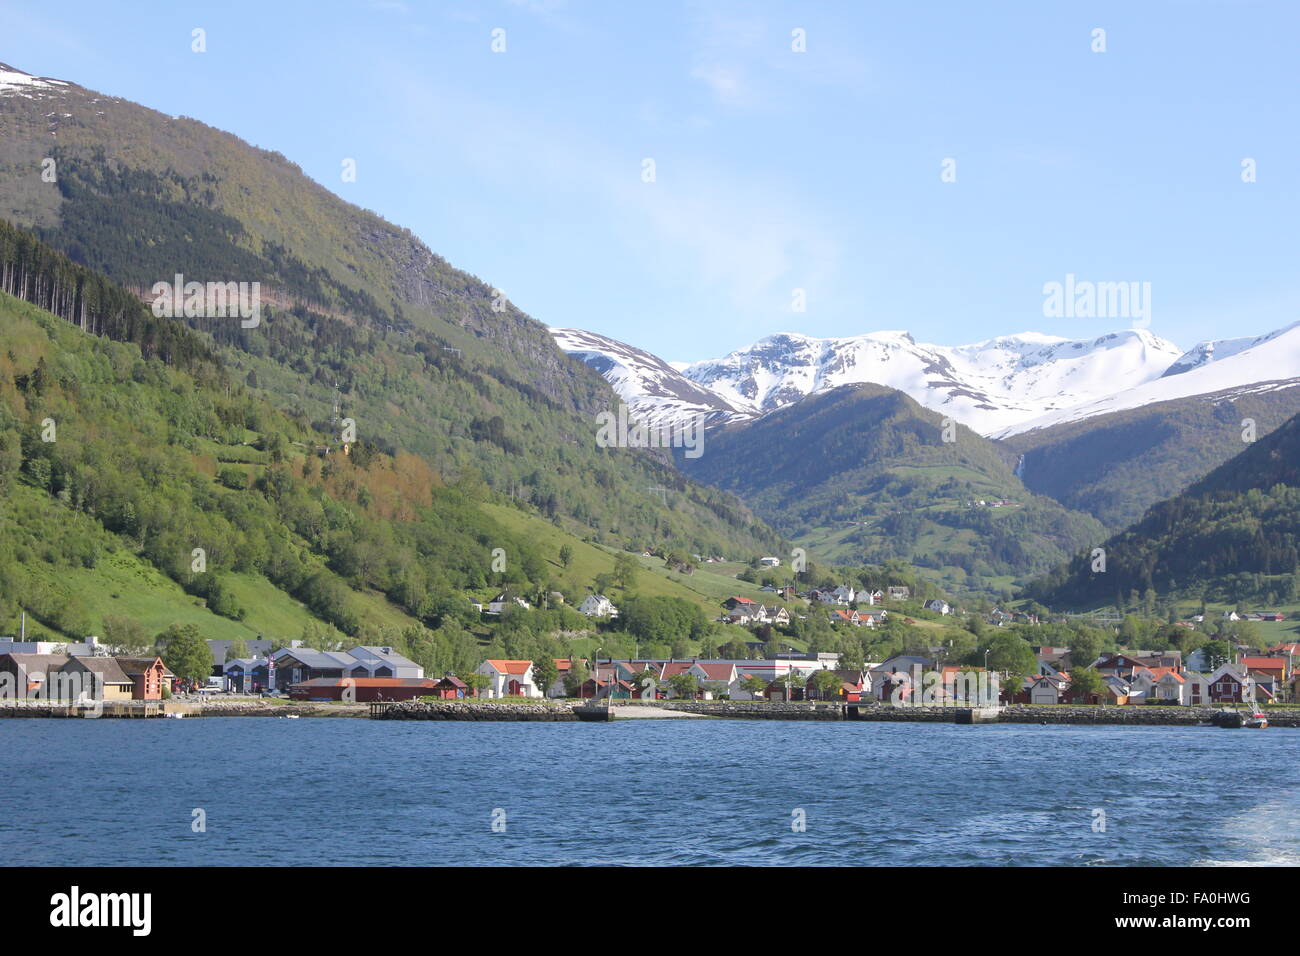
655, 392
1267, 363
862, 474
1232, 536
360, 320
987, 386
1203, 353
1115, 466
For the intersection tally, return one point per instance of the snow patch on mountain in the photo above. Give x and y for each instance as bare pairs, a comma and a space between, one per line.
988, 386
17, 83
1234, 366
656, 393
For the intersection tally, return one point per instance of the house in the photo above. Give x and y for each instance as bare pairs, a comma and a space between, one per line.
733, 603
788, 593
148, 676
613, 688
1158, 683
24, 675
502, 601
720, 673
939, 607
1229, 684
786, 688
770, 562
898, 674
364, 690
597, 605
774, 615
450, 687
1276, 668
509, 678
898, 592
851, 683
840, 616
99, 678
872, 618
1046, 689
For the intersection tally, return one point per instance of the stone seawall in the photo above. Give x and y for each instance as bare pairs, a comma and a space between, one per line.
470, 710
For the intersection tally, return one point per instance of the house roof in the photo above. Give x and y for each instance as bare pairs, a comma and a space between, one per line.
716, 670
37, 662
317, 660
385, 654
451, 679
134, 666
511, 667
106, 668
1263, 663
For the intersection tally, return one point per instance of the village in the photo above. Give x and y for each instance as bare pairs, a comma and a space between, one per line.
781, 672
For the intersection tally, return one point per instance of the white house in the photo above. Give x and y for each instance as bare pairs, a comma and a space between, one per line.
898, 592
597, 605
509, 678
942, 607
501, 602
770, 562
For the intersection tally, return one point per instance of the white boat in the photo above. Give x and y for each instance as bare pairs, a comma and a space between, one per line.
1256, 721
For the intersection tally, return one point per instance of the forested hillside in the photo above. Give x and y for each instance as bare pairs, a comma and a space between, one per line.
862, 474
1232, 536
359, 320
1116, 466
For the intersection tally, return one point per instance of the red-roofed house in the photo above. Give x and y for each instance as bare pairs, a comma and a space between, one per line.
715, 672
510, 678
1275, 667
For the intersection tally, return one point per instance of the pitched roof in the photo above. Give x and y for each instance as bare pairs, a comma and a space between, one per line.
107, 668
134, 666
1263, 663
511, 667
37, 662
716, 670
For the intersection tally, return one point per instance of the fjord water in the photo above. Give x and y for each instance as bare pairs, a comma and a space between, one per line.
354, 792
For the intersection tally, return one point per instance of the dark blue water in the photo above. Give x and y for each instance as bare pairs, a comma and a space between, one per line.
348, 791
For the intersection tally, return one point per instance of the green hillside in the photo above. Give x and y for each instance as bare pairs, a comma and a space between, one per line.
1116, 466
359, 319
1232, 536
861, 475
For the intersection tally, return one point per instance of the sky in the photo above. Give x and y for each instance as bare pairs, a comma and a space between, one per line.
927, 166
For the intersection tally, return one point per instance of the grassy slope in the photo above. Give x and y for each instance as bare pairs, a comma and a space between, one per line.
704, 587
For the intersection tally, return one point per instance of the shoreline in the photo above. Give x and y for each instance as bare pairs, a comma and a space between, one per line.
573, 711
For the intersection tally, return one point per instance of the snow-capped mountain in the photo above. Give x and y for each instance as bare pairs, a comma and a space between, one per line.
17, 83
655, 392
987, 386
990, 386
1203, 353
1231, 366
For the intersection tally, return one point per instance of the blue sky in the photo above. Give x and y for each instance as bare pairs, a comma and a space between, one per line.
775, 170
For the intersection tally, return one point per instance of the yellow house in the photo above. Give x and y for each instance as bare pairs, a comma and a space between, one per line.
102, 678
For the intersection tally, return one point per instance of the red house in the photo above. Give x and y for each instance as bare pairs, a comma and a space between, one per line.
148, 676
450, 687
